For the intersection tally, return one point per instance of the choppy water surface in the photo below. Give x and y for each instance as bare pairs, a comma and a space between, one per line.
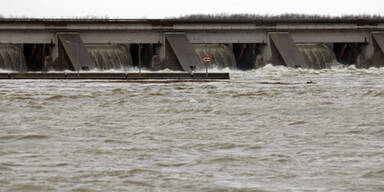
263, 130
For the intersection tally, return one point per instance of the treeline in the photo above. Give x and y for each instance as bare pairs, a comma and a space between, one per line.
90, 17
235, 17
281, 17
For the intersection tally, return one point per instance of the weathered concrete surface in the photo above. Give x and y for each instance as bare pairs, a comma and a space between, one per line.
288, 50
76, 51
372, 55
185, 54
379, 39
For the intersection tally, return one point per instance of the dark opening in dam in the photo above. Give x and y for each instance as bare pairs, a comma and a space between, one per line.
346, 53
35, 56
245, 55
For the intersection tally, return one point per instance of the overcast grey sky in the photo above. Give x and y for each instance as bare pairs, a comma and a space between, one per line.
169, 8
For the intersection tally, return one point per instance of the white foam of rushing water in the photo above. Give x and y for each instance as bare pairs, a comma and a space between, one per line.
269, 69
282, 70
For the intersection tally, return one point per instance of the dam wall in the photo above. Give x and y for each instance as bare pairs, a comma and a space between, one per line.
81, 45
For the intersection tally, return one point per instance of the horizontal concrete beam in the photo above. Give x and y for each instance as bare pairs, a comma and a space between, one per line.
114, 76
118, 37
184, 27
330, 37
26, 37
76, 27
195, 37
227, 37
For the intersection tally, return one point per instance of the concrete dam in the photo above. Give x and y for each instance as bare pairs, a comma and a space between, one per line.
41, 45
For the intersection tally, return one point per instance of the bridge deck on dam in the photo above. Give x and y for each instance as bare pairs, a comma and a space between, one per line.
198, 31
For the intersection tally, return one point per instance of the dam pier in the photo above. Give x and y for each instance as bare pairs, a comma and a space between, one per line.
87, 45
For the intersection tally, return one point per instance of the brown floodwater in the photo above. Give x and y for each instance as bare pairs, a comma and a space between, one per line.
271, 129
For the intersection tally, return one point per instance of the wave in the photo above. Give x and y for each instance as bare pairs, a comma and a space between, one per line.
270, 69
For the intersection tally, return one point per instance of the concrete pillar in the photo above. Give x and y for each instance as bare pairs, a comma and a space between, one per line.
167, 58
51, 61
370, 55
268, 55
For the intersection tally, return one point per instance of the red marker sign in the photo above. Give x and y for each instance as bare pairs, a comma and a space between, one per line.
207, 59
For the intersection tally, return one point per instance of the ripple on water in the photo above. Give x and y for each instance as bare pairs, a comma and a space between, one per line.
374, 174
140, 171
138, 183
327, 103
84, 189
5, 168
254, 94
10, 138
30, 187
223, 159
374, 93
297, 123
32, 137
219, 188
118, 91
